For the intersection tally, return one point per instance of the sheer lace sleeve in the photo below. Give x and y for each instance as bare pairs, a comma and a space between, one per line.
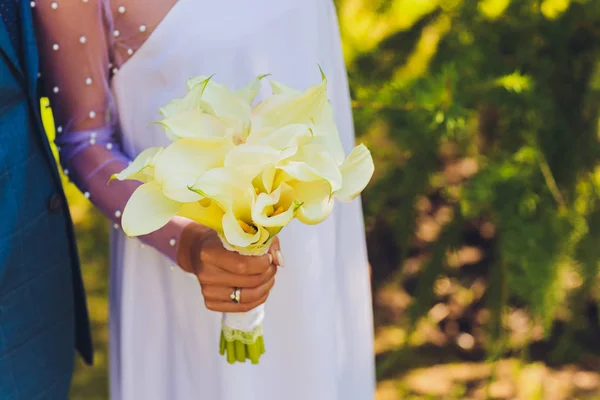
76, 38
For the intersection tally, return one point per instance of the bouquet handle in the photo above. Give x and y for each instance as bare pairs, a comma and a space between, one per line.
242, 336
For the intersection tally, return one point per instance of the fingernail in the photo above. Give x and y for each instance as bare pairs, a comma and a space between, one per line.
270, 258
279, 258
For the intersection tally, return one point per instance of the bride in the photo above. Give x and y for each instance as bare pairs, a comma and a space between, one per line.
108, 67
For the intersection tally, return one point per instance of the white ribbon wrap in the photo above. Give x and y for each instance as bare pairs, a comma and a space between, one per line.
245, 327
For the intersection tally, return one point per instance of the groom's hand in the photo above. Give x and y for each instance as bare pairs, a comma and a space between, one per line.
220, 271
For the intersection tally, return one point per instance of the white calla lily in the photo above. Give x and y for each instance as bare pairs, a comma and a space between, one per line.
229, 187
316, 199
182, 162
148, 210
275, 209
191, 101
223, 102
254, 158
325, 132
280, 88
357, 171
195, 124
249, 92
282, 138
311, 163
289, 108
206, 212
240, 235
142, 168
231, 108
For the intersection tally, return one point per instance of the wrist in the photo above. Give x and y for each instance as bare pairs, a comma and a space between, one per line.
190, 244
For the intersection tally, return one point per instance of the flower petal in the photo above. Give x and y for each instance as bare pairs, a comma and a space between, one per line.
311, 163
191, 101
266, 204
194, 124
289, 135
357, 171
326, 133
316, 200
253, 157
235, 235
141, 169
148, 210
268, 178
181, 163
177, 188
280, 88
205, 212
249, 92
224, 102
283, 109
197, 80
227, 186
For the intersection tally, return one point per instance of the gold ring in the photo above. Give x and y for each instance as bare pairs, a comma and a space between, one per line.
235, 295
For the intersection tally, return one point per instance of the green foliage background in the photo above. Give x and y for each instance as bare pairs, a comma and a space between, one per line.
482, 117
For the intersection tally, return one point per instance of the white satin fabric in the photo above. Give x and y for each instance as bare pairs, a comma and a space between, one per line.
318, 326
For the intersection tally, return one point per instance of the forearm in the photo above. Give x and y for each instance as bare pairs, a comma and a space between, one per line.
90, 168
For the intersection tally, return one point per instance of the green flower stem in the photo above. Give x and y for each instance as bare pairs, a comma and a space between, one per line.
238, 351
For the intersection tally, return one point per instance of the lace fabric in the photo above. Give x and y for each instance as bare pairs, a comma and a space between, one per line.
82, 44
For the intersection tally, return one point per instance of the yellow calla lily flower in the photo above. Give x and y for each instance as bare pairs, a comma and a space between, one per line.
275, 209
357, 171
142, 168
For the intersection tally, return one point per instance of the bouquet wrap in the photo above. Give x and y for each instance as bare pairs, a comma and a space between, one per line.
242, 333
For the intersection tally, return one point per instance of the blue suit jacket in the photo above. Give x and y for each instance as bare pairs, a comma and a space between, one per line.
43, 315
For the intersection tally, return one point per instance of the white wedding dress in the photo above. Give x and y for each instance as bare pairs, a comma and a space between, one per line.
318, 327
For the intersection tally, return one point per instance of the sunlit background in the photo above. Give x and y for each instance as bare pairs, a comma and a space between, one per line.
483, 217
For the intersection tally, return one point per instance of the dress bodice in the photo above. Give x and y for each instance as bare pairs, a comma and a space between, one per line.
109, 65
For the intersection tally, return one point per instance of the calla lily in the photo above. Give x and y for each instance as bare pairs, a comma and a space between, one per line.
195, 124
148, 210
275, 209
173, 170
325, 132
231, 188
289, 108
282, 138
206, 212
182, 162
357, 171
313, 162
142, 168
316, 199
228, 186
191, 101
252, 156
280, 88
249, 92
232, 109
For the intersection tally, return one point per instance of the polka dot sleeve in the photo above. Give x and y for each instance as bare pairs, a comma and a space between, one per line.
80, 50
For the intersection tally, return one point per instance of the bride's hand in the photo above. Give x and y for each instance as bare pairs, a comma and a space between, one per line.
220, 271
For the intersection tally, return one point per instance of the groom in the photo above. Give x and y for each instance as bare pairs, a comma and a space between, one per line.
43, 315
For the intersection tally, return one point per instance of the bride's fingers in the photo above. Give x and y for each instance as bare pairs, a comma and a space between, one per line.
248, 295
219, 277
275, 253
229, 306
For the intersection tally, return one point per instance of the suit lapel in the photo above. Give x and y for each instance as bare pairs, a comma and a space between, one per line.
31, 69
7, 49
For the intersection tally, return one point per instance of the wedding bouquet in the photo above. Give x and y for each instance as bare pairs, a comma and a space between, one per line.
245, 171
